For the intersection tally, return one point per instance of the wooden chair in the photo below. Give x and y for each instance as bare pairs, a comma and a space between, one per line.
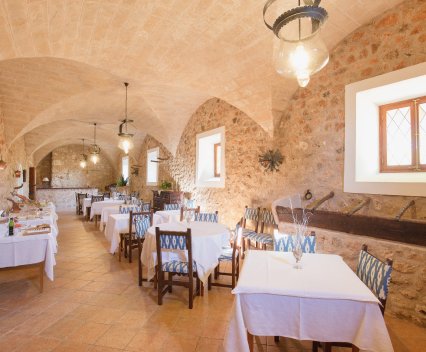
172, 206
141, 226
252, 215
193, 211
229, 254
376, 275
207, 217
263, 237
129, 240
79, 202
175, 241
107, 194
98, 198
146, 206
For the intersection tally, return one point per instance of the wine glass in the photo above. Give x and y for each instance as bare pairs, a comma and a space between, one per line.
298, 251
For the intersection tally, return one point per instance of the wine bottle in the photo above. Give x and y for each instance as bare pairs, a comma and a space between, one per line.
11, 226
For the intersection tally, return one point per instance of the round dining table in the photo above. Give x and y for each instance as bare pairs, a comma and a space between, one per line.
207, 241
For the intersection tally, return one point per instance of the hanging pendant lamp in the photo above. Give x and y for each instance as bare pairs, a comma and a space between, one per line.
95, 150
302, 53
126, 139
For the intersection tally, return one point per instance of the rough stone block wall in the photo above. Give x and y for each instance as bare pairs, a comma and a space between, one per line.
16, 158
66, 171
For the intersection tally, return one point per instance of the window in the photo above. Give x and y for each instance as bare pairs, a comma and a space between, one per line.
217, 159
152, 166
210, 158
403, 136
125, 167
362, 165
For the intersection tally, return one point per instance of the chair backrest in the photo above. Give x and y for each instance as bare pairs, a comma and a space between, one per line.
146, 206
251, 214
192, 211
81, 196
134, 194
174, 240
97, 198
142, 225
375, 274
207, 217
128, 209
121, 197
134, 217
267, 220
173, 206
107, 194
286, 243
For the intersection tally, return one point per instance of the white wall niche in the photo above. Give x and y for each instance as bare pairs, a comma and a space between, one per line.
152, 166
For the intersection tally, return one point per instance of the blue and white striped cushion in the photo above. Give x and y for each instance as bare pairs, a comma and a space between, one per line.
126, 210
142, 225
251, 214
268, 217
263, 238
286, 243
226, 254
175, 206
173, 242
206, 217
374, 273
176, 266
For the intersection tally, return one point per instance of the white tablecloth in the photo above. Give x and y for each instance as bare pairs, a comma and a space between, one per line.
324, 301
87, 203
96, 207
23, 250
207, 242
106, 212
165, 216
116, 224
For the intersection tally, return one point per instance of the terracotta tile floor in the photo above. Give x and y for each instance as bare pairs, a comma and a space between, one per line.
95, 304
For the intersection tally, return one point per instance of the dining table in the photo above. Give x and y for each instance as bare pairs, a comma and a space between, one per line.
323, 301
26, 250
208, 239
165, 216
96, 207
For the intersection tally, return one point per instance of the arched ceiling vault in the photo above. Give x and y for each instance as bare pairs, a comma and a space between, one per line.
66, 60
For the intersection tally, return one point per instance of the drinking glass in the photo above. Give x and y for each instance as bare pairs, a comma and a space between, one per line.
298, 251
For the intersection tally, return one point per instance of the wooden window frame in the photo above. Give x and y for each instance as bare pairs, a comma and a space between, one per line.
415, 136
216, 147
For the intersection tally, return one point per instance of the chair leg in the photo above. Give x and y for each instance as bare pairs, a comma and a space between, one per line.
160, 277
120, 247
250, 341
315, 346
170, 282
355, 349
327, 347
276, 339
216, 272
139, 261
130, 248
209, 282
197, 286
243, 244
233, 274
191, 291
155, 278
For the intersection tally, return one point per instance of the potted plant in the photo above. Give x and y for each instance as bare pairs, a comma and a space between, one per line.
121, 182
165, 185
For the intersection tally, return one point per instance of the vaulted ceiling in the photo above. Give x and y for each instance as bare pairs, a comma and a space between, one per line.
64, 63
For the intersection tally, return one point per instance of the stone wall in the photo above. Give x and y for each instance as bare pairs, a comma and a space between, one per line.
66, 171
44, 169
16, 159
